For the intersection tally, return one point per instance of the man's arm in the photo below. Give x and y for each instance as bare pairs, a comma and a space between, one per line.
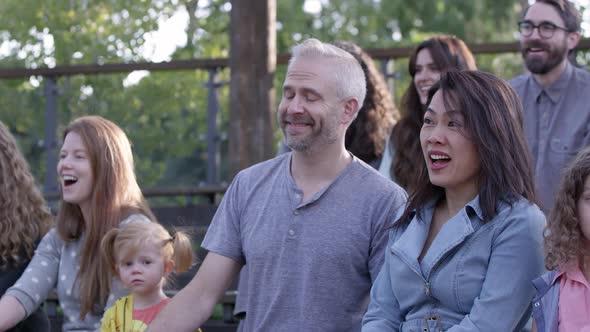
194, 303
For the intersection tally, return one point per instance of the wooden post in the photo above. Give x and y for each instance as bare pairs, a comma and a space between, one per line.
252, 64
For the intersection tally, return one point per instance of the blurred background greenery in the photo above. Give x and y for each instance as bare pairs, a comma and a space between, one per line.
164, 113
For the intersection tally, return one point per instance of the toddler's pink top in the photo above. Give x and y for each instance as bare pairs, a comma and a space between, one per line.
574, 301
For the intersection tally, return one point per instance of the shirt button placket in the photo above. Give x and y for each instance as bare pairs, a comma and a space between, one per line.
291, 232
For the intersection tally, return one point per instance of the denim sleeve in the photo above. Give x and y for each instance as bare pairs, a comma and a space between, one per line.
40, 276
385, 217
383, 313
516, 259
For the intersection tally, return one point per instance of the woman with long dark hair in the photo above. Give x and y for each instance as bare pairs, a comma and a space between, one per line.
429, 60
463, 252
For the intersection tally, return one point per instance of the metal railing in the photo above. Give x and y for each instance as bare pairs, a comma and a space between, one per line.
212, 66
51, 76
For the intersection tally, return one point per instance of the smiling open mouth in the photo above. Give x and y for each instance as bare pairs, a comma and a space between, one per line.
436, 157
69, 180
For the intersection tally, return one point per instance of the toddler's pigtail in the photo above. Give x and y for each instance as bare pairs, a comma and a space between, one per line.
183, 252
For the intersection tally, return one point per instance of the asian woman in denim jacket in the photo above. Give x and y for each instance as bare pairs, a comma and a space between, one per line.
463, 251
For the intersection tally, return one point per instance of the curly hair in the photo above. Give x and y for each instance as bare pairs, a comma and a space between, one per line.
367, 134
563, 236
448, 52
24, 215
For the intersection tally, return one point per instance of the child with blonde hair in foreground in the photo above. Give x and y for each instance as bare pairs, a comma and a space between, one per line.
142, 256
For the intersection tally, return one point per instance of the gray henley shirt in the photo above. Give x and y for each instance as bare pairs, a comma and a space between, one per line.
311, 263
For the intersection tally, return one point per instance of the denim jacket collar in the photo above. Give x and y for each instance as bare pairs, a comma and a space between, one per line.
546, 281
454, 232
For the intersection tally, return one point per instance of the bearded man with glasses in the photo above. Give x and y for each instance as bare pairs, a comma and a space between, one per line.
555, 94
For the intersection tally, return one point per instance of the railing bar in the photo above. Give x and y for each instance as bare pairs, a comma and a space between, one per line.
109, 68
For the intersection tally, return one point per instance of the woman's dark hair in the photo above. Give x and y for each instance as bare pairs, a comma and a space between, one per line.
366, 136
448, 53
493, 121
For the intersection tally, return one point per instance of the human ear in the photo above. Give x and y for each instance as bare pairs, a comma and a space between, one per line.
351, 108
573, 38
169, 266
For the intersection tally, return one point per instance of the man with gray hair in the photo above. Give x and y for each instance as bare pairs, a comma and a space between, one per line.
310, 224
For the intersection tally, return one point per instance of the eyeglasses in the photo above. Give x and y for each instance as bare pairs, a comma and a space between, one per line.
546, 29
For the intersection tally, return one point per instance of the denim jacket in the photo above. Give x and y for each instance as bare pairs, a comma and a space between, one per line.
476, 275
546, 302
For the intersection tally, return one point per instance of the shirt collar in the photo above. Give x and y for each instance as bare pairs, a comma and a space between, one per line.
566, 270
557, 276
472, 206
572, 272
287, 168
555, 90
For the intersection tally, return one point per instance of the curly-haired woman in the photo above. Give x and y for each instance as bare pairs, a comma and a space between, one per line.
24, 219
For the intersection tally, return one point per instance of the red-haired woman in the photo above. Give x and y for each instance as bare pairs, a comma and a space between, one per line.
99, 191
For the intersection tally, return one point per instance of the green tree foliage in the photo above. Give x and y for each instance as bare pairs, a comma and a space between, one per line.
165, 113
380, 23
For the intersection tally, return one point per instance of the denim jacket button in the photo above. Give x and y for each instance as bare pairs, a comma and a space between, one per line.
536, 304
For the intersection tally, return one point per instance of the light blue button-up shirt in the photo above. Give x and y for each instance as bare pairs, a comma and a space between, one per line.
476, 275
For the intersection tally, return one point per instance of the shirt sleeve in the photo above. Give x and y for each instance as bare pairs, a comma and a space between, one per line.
382, 222
117, 291
9, 276
516, 259
223, 236
106, 325
40, 276
116, 315
383, 313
